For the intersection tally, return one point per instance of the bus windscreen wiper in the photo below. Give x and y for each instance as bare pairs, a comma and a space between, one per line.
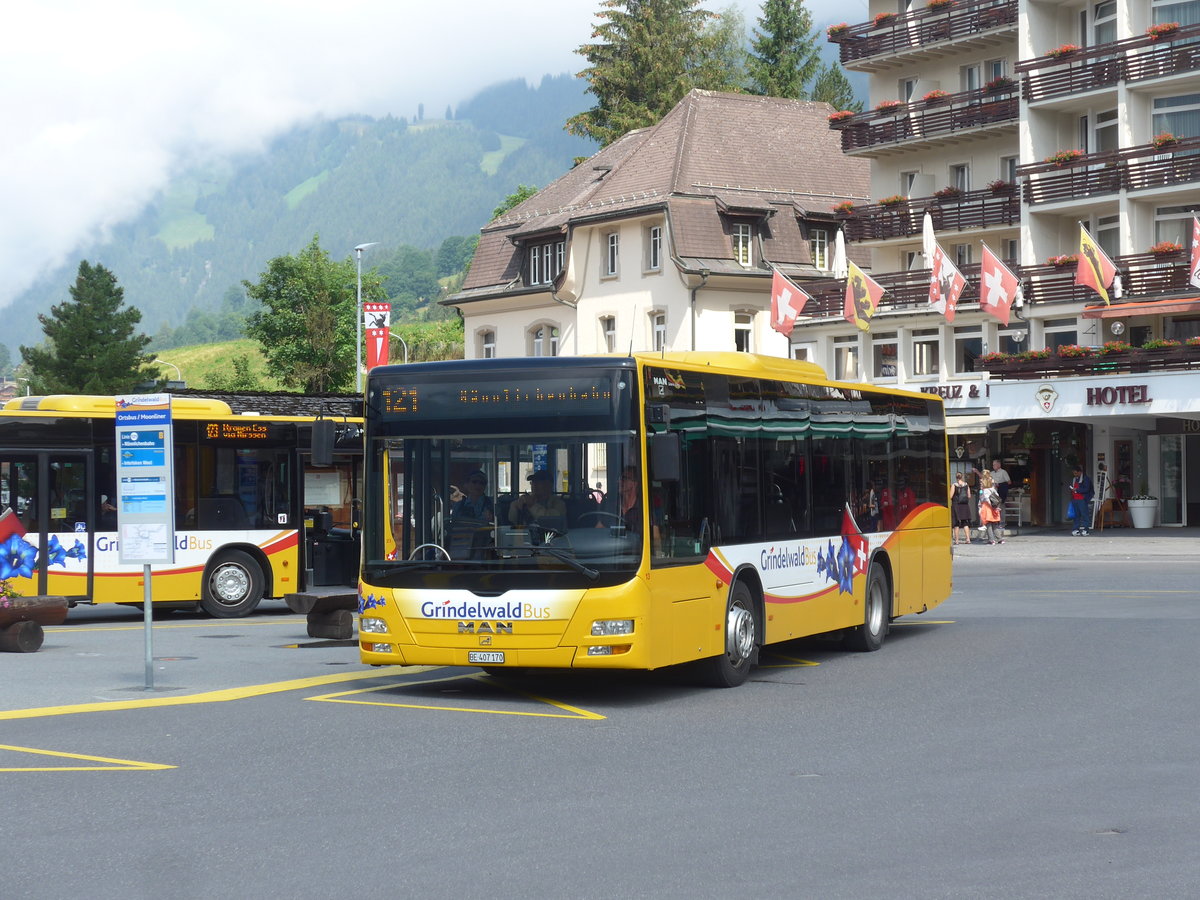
586, 571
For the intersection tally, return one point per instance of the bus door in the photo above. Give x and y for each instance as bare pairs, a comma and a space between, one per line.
332, 513
48, 509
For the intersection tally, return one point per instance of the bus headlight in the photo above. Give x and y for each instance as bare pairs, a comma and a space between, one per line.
377, 648
372, 625
608, 627
606, 650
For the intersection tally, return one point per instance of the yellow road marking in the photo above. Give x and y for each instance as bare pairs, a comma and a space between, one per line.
792, 662
226, 623
572, 712
238, 693
115, 765
926, 622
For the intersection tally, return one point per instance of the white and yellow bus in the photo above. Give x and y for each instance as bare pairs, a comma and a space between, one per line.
699, 506
255, 517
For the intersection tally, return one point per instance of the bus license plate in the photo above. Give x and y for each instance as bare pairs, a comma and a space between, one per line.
485, 656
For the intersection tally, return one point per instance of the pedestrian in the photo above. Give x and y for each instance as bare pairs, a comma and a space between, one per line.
989, 509
1003, 482
960, 509
1081, 501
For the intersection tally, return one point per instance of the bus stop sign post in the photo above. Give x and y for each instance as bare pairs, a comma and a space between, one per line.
145, 494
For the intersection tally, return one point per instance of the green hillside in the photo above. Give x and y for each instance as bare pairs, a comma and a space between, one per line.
199, 363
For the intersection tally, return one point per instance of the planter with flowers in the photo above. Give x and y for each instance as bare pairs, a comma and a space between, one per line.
842, 115
998, 84
1162, 30
1165, 248
885, 106
1162, 344
837, 32
935, 96
1074, 351
893, 200
1000, 186
1192, 342
994, 360
844, 208
939, 5
883, 18
1164, 139
1062, 50
949, 192
1116, 348
1061, 262
1064, 157
1142, 509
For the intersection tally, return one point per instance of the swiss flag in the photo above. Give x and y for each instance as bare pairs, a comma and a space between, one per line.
946, 284
997, 286
787, 302
1194, 269
858, 543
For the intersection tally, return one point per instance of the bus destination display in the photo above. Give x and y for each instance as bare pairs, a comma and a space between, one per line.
507, 397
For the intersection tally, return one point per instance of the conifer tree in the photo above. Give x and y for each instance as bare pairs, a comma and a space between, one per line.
90, 345
648, 54
831, 86
784, 55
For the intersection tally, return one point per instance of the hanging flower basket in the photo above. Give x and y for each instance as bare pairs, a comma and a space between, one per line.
1164, 139
1165, 248
1063, 157
1155, 32
1062, 50
1060, 262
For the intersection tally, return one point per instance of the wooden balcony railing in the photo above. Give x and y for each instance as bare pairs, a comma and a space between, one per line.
1176, 359
927, 119
1145, 276
1097, 174
1105, 65
971, 209
961, 19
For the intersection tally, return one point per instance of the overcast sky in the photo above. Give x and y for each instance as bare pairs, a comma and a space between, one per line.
103, 101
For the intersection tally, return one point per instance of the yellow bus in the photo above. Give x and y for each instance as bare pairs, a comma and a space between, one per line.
256, 516
634, 513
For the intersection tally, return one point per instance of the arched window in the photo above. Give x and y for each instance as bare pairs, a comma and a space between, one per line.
543, 340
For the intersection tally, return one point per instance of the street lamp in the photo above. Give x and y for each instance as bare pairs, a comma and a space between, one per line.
358, 252
178, 374
403, 343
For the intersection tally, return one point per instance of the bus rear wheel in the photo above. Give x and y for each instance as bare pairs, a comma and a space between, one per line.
233, 586
732, 667
870, 634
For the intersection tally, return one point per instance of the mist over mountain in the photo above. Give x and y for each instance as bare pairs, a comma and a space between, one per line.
351, 181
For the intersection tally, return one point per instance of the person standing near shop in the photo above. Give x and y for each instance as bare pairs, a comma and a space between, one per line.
960, 509
1081, 500
989, 509
1002, 483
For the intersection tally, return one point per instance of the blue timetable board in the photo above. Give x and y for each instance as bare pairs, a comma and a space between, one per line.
145, 479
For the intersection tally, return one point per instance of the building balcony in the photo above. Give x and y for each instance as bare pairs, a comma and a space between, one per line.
1146, 277
873, 46
925, 123
965, 211
1103, 66
1175, 164
1143, 275
1028, 366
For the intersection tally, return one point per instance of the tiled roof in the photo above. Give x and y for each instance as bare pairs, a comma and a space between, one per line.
750, 155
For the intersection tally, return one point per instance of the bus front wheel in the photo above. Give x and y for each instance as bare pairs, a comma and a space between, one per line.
870, 634
732, 667
233, 586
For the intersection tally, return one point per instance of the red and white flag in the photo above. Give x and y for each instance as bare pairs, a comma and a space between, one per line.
998, 286
862, 298
787, 302
859, 546
377, 320
1095, 269
1194, 269
946, 284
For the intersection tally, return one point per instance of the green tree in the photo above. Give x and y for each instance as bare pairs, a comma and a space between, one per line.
306, 324
239, 376
784, 53
6, 365
648, 55
831, 86
90, 345
520, 195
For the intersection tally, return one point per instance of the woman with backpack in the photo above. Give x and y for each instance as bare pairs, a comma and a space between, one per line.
989, 509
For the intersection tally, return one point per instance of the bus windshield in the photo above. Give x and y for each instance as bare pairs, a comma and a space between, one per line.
528, 510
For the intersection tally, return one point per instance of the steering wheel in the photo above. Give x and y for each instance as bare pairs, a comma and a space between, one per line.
421, 547
599, 515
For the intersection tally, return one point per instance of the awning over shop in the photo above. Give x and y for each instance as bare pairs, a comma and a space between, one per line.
1152, 308
967, 424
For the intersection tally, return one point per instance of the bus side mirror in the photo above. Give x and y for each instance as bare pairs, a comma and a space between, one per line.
322, 442
664, 456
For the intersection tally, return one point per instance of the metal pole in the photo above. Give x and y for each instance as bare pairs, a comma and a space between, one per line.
148, 621
358, 323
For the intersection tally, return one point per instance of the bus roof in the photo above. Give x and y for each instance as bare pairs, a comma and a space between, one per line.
198, 405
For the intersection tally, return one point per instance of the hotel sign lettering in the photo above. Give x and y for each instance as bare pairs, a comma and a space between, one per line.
1125, 393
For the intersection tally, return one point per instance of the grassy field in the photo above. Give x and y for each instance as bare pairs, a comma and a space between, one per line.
198, 362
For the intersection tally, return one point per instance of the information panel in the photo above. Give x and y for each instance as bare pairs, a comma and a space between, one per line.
145, 479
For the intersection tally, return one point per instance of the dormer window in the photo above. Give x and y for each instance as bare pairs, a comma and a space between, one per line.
545, 262
742, 235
